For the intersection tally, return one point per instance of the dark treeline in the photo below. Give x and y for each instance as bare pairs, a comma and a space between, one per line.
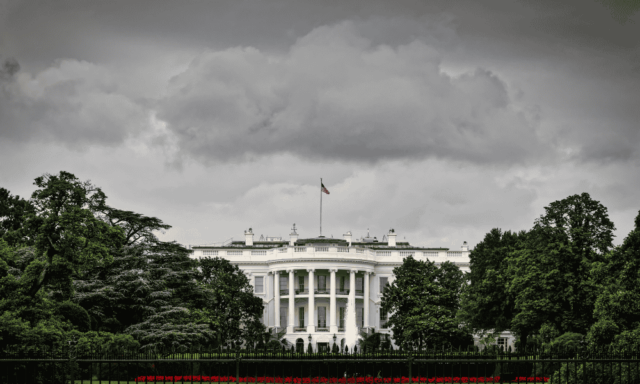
562, 283
74, 268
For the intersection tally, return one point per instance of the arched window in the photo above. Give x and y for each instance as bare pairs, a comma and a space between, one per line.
299, 345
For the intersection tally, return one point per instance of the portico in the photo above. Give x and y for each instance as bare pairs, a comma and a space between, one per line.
316, 300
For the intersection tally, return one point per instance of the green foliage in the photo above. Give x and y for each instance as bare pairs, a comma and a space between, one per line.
68, 230
137, 228
103, 341
551, 274
559, 278
590, 373
423, 301
69, 263
567, 341
149, 292
229, 307
14, 211
617, 306
487, 306
75, 314
369, 341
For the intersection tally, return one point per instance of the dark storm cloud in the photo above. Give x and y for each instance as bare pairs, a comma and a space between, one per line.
74, 103
382, 94
337, 95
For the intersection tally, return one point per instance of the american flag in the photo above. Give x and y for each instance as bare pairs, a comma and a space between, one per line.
325, 190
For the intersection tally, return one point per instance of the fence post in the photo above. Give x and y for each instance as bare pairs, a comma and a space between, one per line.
237, 367
410, 362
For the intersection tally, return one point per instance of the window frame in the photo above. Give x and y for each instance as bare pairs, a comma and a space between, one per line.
255, 285
386, 282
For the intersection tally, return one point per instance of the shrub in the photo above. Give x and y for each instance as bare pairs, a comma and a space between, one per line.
76, 315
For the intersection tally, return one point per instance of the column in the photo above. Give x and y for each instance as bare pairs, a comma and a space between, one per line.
276, 294
311, 324
292, 302
333, 328
351, 303
366, 299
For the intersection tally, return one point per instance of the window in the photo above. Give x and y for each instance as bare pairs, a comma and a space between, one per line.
210, 253
284, 282
341, 283
359, 285
259, 284
322, 317
322, 283
360, 317
283, 316
341, 317
301, 317
384, 281
383, 319
301, 283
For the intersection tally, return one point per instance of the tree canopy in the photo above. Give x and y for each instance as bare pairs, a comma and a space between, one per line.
541, 282
617, 305
423, 301
487, 305
72, 266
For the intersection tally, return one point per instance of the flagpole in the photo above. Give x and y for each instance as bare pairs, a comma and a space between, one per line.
321, 207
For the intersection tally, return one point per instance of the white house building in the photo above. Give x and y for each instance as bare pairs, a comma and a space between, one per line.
304, 283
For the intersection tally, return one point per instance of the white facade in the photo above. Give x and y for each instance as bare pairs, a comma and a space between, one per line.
304, 283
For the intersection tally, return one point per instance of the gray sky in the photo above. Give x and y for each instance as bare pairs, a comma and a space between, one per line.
440, 120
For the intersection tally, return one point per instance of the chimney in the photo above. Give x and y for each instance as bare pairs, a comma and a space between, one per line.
392, 237
347, 236
248, 237
465, 247
293, 236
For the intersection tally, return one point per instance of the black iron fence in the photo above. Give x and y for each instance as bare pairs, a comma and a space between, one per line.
82, 365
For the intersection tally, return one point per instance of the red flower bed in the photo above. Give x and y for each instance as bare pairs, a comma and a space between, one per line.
341, 380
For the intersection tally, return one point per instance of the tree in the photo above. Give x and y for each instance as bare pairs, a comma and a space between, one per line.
149, 292
14, 211
75, 314
369, 342
487, 305
67, 229
423, 301
617, 308
137, 227
230, 308
551, 275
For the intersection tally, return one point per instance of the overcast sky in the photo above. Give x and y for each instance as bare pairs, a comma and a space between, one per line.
440, 119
